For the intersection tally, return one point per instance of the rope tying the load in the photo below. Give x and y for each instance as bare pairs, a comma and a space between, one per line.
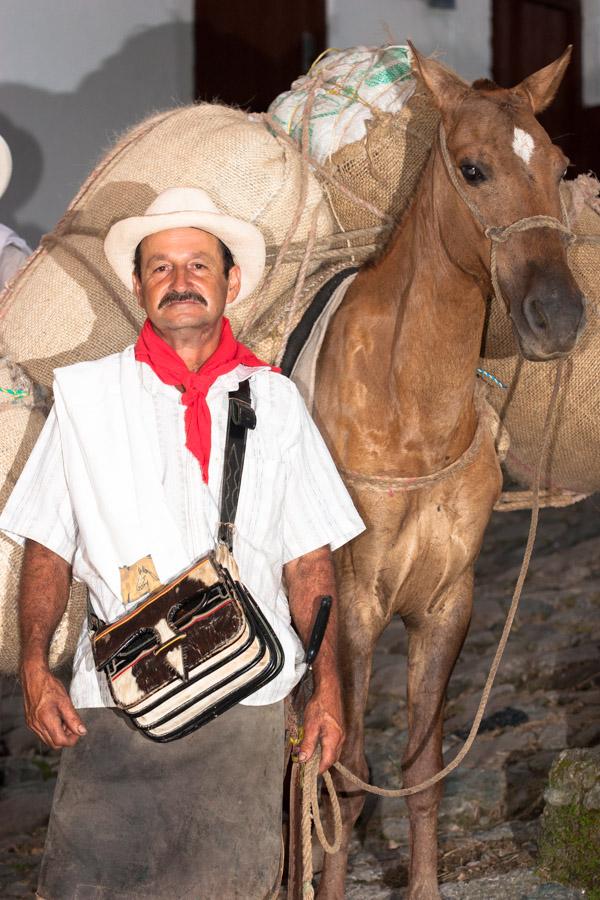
334, 245
311, 768
487, 376
306, 253
283, 248
291, 309
510, 501
324, 173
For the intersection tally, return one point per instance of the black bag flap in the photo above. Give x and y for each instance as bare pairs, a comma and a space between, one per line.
201, 584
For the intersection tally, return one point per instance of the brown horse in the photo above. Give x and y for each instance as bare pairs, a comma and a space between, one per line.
396, 397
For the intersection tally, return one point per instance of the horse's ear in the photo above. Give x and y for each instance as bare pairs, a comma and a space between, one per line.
541, 87
445, 86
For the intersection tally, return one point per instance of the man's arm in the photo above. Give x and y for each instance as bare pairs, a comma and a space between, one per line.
43, 596
309, 577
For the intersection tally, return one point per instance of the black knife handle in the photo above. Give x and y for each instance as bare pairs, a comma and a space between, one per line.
319, 628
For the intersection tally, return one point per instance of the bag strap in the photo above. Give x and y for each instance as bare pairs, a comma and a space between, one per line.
241, 418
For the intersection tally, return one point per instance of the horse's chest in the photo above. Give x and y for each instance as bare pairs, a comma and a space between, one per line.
418, 544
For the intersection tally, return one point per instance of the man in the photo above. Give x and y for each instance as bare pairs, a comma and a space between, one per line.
122, 491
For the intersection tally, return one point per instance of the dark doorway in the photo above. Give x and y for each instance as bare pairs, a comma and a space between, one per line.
529, 34
248, 51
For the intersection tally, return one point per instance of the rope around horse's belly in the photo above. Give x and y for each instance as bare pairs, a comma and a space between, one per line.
310, 769
401, 484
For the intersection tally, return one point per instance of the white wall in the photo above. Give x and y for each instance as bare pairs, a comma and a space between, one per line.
461, 36
591, 52
73, 75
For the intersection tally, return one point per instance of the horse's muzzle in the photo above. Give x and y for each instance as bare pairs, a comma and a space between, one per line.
550, 319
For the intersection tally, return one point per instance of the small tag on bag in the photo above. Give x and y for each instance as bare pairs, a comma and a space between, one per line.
225, 558
138, 579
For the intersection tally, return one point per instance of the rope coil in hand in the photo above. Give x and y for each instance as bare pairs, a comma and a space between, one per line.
311, 813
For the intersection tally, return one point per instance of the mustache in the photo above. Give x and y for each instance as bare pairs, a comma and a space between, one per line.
177, 296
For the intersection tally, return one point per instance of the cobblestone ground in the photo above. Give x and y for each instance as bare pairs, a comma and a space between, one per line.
546, 698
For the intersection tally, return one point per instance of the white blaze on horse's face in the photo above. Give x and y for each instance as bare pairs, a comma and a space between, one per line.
523, 145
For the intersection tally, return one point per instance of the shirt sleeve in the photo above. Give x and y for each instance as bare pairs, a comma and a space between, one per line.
11, 260
39, 507
318, 509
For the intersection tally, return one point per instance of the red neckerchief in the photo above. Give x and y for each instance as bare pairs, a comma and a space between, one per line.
170, 368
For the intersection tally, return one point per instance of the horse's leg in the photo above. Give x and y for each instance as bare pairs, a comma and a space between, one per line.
358, 636
435, 639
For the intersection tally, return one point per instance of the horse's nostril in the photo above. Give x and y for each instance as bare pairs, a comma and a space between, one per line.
535, 315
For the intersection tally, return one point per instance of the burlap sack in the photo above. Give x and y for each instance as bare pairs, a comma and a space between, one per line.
66, 635
384, 167
21, 420
67, 304
573, 459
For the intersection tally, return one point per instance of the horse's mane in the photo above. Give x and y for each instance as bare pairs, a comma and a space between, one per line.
508, 100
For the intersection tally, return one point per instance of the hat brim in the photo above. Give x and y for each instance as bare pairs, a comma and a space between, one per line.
244, 240
5, 165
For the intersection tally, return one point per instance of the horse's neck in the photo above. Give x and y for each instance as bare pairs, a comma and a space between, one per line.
411, 330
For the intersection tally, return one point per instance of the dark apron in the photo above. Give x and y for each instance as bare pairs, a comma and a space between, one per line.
195, 819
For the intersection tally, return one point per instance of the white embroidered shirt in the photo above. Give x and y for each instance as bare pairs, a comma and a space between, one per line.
110, 480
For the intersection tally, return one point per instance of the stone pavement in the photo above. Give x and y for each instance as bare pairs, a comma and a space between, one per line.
546, 698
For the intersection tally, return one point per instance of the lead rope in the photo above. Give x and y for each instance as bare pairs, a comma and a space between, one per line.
310, 769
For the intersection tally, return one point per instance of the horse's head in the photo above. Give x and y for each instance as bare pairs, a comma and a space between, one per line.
505, 168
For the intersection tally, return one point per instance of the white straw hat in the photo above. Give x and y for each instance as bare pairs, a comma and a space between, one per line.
5, 165
188, 208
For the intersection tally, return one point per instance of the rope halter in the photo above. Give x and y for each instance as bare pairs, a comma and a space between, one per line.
499, 234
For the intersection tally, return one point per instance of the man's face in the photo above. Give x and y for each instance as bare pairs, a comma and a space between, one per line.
182, 282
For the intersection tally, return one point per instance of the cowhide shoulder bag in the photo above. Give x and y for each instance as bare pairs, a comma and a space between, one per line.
198, 645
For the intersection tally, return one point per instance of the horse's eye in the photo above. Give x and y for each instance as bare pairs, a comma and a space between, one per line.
471, 173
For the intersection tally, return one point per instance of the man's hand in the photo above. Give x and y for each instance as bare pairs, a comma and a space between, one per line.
43, 595
323, 723
309, 578
48, 708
